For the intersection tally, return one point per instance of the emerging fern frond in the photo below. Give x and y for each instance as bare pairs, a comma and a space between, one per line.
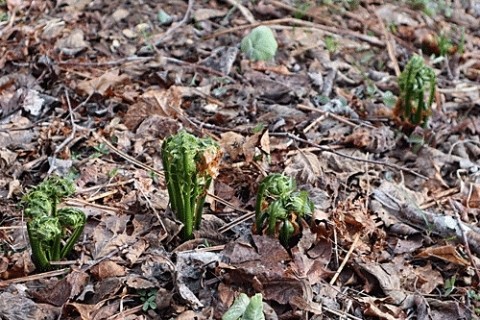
280, 208
190, 165
417, 91
47, 227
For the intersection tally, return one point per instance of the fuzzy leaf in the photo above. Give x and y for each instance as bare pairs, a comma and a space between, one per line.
260, 44
238, 308
254, 309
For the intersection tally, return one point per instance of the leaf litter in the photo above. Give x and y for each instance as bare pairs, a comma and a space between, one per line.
92, 88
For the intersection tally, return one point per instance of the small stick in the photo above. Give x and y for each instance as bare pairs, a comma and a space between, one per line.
74, 128
333, 116
464, 238
13, 227
108, 185
345, 260
388, 41
245, 12
126, 156
104, 64
178, 25
228, 204
243, 218
83, 204
102, 195
372, 40
153, 209
438, 197
44, 275
322, 148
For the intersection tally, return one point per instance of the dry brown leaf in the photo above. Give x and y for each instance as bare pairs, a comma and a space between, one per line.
85, 310
265, 142
249, 146
376, 307
447, 253
426, 279
387, 277
17, 306
305, 166
232, 143
107, 269
135, 251
101, 84
375, 140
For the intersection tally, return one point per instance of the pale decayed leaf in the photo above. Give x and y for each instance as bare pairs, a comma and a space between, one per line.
305, 166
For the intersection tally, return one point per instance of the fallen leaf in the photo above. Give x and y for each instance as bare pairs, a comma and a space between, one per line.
102, 84
447, 253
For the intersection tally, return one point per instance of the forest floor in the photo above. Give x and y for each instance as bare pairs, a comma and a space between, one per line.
90, 89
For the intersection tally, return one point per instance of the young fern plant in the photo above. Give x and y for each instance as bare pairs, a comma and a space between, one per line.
52, 231
190, 165
280, 208
417, 91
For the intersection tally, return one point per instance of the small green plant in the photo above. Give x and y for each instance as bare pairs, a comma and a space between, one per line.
112, 173
389, 99
348, 4
164, 18
432, 8
445, 44
331, 44
3, 16
449, 286
421, 5
148, 297
190, 165
260, 44
475, 296
280, 208
461, 43
52, 231
417, 90
301, 8
259, 127
245, 308
100, 149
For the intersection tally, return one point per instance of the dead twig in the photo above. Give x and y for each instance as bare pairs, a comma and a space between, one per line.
305, 13
104, 63
442, 225
334, 116
331, 150
74, 128
440, 197
390, 45
170, 31
300, 23
345, 260
126, 156
149, 203
49, 274
464, 238
107, 185
243, 10
195, 66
